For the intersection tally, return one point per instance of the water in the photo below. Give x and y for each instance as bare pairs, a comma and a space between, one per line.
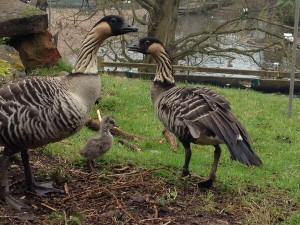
189, 24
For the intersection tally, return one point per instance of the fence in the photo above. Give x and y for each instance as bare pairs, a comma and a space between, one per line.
261, 80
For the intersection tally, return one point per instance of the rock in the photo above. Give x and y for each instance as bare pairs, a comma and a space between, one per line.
36, 50
18, 18
11, 66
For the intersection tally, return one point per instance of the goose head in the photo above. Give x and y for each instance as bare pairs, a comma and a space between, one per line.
148, 45
113, 25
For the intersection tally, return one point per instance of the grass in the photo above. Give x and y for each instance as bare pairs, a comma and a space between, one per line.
276, 139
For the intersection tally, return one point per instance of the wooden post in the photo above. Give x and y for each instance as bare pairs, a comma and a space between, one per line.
100, 63
292, 81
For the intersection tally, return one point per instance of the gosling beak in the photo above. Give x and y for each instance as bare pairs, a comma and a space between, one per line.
135, 47
126, 28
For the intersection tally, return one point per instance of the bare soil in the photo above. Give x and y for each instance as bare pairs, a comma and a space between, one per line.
125, 194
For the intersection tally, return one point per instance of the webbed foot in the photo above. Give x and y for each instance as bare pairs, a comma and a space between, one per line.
16, 204
185, 172
206, 183
42, 188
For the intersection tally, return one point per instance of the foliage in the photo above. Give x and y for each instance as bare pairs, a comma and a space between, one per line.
52, 70
61, 218
5, 68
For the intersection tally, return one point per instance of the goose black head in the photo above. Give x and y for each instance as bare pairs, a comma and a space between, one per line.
147, 45
116, 25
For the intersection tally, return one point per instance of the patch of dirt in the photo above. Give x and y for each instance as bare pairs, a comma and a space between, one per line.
124, 194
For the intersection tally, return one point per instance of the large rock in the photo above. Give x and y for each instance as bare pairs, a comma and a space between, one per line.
36, 50
11, 66
18, 18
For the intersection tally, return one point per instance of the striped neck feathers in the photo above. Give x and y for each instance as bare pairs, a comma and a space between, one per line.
87, 59
164, 69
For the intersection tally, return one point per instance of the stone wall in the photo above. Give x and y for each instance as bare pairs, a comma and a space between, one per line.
27, 28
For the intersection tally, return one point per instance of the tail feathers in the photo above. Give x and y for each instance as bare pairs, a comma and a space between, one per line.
243, 153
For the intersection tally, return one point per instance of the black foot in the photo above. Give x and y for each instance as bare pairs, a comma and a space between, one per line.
185, 172
206, 183
15, 203
44, 188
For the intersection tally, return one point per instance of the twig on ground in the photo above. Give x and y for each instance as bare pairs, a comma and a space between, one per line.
95, 125
120, 205
171, 138
49, 207
130, 145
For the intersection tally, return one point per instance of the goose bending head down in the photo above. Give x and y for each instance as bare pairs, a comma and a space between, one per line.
195, 114
38, 110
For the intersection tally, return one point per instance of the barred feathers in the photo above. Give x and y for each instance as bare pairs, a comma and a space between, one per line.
36, 111
196, 114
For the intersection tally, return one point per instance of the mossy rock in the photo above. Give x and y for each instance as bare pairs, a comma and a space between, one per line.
5, 68
11, 66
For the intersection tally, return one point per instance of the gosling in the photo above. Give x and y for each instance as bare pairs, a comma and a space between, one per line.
98, 146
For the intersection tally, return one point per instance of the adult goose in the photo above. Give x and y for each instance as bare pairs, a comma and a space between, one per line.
99, 145
195, 114
38, 110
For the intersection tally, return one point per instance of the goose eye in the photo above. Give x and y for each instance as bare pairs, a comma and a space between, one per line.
113, 20
147, 42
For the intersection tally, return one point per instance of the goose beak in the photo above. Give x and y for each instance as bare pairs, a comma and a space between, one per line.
126, 28
135, 47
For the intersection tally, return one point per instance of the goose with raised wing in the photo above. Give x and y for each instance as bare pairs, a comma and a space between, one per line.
36, 111
195, 114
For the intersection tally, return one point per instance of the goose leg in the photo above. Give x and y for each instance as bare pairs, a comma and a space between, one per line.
212, 176
187, 158
4, 187
35, 187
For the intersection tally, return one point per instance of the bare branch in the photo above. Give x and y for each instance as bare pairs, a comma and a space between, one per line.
146, 4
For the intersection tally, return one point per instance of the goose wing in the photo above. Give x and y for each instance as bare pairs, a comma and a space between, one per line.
203, 112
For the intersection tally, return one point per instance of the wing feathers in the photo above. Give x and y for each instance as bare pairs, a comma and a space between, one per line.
200, 111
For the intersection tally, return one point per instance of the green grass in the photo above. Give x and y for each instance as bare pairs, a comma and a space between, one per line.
276, 139
52, 70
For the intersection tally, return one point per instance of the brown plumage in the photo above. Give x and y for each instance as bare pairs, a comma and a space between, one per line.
98, 146
39, 110
195, 114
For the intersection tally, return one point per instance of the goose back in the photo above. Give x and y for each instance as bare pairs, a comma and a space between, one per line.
191, 112
39, 110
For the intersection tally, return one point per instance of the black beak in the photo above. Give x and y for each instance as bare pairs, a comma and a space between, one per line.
126, 28
134, 47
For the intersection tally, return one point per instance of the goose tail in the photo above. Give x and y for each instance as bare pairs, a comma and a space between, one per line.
243, 153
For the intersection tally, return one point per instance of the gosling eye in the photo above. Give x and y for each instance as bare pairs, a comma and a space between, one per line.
111, 122
113, 20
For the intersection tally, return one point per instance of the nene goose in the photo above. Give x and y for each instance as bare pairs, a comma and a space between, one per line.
98, 146
38, 110
195, 114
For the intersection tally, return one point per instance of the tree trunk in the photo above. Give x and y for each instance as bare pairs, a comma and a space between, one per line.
163, 21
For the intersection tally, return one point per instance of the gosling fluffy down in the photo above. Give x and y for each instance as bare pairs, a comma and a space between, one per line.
99, 145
